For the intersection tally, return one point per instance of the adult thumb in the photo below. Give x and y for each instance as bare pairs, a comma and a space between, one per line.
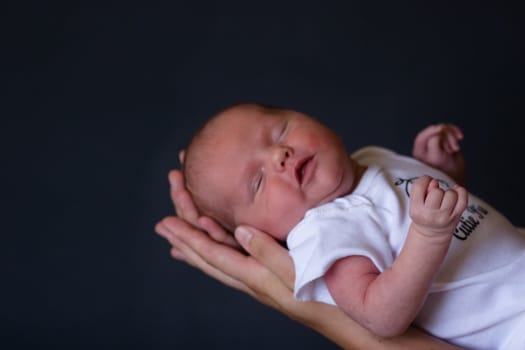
268, 252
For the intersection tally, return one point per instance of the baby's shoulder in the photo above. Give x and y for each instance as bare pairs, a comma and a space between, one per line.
370, 154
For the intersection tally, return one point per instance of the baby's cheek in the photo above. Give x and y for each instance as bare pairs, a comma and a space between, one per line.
289, 218
283, 209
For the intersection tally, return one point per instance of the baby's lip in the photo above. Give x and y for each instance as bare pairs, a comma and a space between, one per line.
303, 170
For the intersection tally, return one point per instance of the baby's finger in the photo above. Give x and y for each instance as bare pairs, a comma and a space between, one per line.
462, 200
182, 200
452, 141
434, 198
419, 189
435, 147
429, 131
421, 139
449, 201
456, 130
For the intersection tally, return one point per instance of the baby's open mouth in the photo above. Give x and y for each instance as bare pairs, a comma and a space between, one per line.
301, 169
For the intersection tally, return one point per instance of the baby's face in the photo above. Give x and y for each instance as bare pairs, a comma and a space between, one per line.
271, 166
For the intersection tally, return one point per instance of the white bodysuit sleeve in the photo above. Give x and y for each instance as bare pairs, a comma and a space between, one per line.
345, 227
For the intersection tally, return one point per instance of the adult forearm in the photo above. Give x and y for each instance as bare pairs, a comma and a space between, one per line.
334, 324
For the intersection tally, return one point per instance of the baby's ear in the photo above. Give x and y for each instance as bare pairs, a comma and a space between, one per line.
182, 154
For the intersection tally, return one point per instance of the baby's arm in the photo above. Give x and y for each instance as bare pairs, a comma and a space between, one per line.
438, 146
387, 302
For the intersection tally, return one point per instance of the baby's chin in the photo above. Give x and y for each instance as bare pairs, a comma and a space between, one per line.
329, 197
280, 234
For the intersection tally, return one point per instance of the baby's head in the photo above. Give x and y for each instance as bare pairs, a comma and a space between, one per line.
265, 167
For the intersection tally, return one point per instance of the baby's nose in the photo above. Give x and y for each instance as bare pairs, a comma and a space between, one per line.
281, 156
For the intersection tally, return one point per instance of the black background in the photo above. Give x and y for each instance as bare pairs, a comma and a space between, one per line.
97, 98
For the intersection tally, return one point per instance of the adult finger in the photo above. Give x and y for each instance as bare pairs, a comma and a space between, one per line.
164, 232
219, 260
171, 227
182, 156
268, 252
184, 206
217, 232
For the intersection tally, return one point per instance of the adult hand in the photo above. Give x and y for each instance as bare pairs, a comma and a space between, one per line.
231, 266
266, 273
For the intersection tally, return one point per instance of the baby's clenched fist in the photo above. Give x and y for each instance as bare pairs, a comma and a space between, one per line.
434, 210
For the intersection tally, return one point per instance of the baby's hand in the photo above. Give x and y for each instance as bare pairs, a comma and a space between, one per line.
438, 146
436, 211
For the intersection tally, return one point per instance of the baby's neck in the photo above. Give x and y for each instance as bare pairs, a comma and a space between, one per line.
358, 172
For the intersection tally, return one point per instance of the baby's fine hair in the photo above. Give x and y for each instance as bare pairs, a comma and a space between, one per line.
194, 166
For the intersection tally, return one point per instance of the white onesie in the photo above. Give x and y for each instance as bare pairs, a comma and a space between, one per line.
478, 297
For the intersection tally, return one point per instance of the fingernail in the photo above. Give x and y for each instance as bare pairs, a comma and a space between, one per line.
171, 181
243, 235
177, 254
162, 234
